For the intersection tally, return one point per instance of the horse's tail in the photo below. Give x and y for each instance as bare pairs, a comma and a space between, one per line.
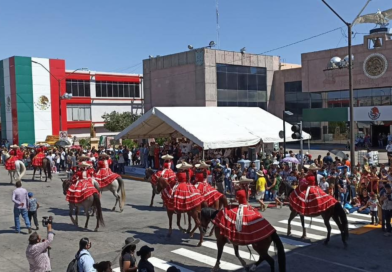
281, 254
48, 169
342, 219
122, 189
97, 204
21, 174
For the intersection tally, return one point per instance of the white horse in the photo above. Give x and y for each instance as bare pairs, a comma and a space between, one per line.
118, 190
20, 168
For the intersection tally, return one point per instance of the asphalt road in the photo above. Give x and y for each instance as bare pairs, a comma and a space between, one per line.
366, 252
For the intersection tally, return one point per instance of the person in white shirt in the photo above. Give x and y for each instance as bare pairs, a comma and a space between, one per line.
323, 184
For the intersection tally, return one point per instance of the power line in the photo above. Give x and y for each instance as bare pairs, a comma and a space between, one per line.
315, 36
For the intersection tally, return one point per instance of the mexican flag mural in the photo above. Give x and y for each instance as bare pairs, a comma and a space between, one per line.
29, 97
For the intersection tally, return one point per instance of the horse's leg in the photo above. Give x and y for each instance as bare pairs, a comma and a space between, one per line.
179, 222
46, 175
71, 210
328, 225
116, 195
152, 197
220, 242
190, 215
237, 254
87, 217
76, 215
35, 169
170, 216
11, 177
341, 228
212, 229
291, 217
303, 226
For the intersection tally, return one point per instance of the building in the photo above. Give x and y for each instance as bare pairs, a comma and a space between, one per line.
208, 77
318, 94
33, 105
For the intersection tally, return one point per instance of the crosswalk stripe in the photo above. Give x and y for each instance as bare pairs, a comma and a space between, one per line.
354, 219
293, 242
299, 233
361, 215
230, 250
319, 220
161, 264
323, 229
205, 259
116, 269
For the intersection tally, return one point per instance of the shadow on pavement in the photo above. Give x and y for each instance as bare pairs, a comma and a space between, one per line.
146, 208
6, 184
72, 227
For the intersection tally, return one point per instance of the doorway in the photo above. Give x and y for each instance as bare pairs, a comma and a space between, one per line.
376, 131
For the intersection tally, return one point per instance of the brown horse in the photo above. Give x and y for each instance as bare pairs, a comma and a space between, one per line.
147, 177
47, 170
336, 212
90, 203
261, 247
193, 213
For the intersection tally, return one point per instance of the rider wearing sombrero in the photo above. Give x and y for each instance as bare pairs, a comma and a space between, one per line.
242, 224
167, 173
10, 161
104, 175
15, 151
37, 160
308, 198
185, 196
78, 169
82, 187
209, 193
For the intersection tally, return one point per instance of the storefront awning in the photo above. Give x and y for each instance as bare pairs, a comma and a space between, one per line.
210, 127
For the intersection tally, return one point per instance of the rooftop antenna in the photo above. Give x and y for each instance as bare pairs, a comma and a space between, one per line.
217, 24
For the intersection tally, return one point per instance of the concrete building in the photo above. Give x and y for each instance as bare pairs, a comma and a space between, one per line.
31, 103
319, 96
208, 77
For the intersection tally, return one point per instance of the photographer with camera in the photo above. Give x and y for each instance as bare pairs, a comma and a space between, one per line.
37, 251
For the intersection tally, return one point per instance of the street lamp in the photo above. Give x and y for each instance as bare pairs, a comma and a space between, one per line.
289, 113
66, 96
350, 79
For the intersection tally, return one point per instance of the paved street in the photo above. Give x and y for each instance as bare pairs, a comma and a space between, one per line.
366, 252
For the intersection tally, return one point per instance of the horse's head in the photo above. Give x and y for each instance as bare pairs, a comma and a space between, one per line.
285, 189
148, 173
206, 215
6, 155
66, 184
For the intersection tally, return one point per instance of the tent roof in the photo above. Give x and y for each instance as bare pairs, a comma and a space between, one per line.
210, 127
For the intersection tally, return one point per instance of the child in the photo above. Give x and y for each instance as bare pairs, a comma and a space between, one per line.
295, 184
372, 204
331, 189
324, 185
33, 207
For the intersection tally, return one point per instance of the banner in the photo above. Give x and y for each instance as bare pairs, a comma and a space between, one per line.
373, 113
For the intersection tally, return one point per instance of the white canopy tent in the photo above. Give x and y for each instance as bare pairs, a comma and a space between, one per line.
210, 127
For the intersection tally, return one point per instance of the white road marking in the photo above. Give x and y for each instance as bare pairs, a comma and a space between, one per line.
230, 250
293, 242
362, 215
205, 259
323, 229
319, 220
299, 233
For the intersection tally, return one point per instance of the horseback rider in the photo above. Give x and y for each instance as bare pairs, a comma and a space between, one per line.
10, 161
185, 195
242, 224
308, 198
104, 175
82, 185
166, 173
38, 158
209, 193
15, 151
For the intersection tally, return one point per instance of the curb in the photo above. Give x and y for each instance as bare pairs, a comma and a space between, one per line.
132, 177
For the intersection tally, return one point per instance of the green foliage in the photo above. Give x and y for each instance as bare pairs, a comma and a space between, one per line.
116, 121
129, 143
160, 141
84, 143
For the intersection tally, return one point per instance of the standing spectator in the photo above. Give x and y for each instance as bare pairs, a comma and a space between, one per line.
62, 158
127, 257
104, 266
144, 265
58, 160
145, 156
37, 251
327, 159
343, 189
127, 155
260, 189
372, 204
121, 163
151, 152
386, 202
21, 201
85, 261
324, 185
227, 173
33, 208
252, 171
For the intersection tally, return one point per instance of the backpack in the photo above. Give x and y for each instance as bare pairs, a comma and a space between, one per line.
73, 265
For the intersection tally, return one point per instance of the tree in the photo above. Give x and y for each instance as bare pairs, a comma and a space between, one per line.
116, 121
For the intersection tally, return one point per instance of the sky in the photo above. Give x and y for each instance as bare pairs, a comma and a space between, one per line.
116, 35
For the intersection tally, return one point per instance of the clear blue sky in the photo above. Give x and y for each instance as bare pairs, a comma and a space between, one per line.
118, 34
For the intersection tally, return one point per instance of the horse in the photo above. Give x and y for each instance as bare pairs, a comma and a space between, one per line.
147, 177
47, 170
193, 213
89, 203
19, 165
118, 190
261, 247
336, 212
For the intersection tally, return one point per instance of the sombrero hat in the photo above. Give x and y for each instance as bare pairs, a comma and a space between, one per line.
84, 157
260, 173
104, 155
84, 164
14, 146
366, 168
245, 180
311, 166
202, 164
167, 157
129, 242
184, 166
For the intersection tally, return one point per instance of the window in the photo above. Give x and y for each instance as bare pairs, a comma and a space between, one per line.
293, 87
117, 89
78, 87
78, 112
241, 86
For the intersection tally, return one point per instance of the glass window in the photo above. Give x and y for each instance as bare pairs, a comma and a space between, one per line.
115, 90
81, 87
104, 90
261, 83
81, 114
68, 86
252, 82
221, 68
232, 96
69, 114
126, 90
293, 87
87, 113
78, 112
232, 81
75, 88
242, 81
75, 114
262, 96
87, 88
132, 90
221, 81
121, 90
242, 96
137, 90
109, 86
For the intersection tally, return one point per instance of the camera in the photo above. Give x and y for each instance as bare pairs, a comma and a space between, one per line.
47, 220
